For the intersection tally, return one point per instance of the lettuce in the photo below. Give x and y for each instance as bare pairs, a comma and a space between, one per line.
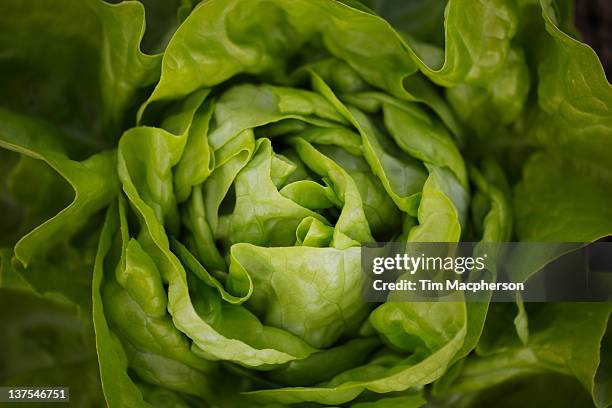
198, 213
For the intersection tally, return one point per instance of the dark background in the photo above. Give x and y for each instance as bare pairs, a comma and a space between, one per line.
594, 21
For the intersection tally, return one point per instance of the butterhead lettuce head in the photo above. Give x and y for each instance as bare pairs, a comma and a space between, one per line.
204, 207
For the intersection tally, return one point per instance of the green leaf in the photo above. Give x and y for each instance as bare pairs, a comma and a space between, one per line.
311, 292
81, 60
47, 250
45, 344
119, 388
242, 168
563, 199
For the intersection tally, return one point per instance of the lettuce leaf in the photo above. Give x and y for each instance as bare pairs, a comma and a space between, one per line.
198, 213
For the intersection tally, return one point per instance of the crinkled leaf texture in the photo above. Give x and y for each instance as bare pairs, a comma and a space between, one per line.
204, 207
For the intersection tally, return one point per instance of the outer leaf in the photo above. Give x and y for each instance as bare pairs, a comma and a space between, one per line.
82, 61
45, 344
93, 189
563, 199
119, 389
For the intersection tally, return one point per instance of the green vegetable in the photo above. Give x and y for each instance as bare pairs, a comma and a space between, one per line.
198, 213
